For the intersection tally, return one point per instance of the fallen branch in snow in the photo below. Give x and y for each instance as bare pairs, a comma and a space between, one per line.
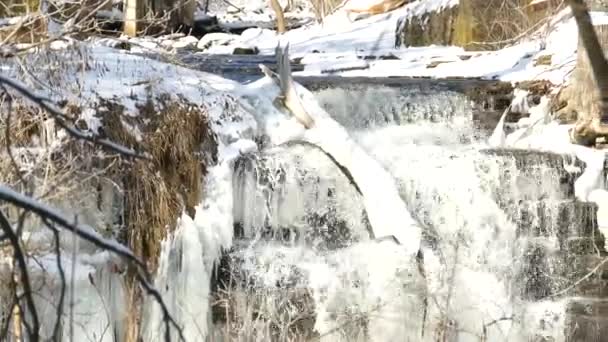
278, 11
61, 120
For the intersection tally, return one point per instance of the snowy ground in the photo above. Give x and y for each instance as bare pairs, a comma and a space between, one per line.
343, 47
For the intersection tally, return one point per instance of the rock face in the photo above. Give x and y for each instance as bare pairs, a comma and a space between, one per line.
563, 252
471, 24
430, 28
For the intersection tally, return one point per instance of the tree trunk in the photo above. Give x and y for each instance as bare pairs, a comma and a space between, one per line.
180, 15
278, 10
590, 84
133, 13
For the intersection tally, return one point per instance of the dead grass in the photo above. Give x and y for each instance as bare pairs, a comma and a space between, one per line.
157, 191
248, 311
25, 123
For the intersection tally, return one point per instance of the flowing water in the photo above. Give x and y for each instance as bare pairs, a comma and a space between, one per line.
301, 265
280, 248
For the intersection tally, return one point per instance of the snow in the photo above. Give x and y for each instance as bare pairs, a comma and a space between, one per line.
12, 20
545, 135
338, 45
321, 46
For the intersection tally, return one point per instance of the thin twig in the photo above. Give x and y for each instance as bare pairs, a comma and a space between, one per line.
19, 256
59, 308
59, 118
88, 234
580, 280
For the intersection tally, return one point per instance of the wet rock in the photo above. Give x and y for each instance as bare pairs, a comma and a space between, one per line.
362, 106
586, 320
281, 308
204, 24
246, 50
562, 219
534, 278
296, 194
533, 175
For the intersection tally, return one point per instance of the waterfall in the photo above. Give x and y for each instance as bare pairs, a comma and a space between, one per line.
283, 245
303, 265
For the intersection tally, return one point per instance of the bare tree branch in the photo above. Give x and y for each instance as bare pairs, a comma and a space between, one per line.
59, 310
19, 256
60, 118
87, 233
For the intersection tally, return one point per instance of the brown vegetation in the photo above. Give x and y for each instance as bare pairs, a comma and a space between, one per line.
493, 24
475, 24
30, 29
157, 190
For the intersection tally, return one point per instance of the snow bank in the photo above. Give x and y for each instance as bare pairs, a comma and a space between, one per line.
321, 46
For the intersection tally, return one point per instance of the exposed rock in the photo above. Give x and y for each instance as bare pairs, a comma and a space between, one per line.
29, 30
470, 24
434, 64
584, 95
495, 96
430, 28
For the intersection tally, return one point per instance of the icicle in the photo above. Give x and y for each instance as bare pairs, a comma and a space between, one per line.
188, 256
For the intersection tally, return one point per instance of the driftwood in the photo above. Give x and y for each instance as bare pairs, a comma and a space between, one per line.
590, 78
289, 97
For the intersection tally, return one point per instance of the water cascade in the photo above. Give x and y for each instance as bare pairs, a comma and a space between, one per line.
282, 247
500, 230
